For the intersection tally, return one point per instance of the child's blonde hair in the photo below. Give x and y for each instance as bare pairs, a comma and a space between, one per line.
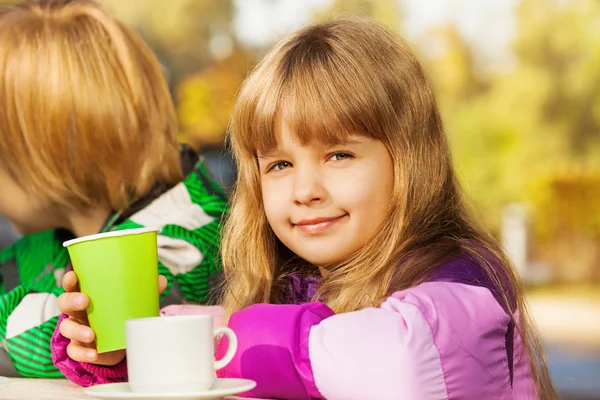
340, 78
86, 117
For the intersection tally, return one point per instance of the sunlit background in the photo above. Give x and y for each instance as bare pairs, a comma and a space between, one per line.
518, 82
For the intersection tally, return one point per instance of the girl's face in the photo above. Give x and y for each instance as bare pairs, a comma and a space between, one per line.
27, 213
324, 202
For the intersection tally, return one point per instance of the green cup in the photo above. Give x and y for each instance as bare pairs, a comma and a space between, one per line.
119, 272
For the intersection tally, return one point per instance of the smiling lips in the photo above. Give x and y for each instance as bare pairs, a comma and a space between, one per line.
317, 225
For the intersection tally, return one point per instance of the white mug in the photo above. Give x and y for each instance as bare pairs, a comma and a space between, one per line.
174, 354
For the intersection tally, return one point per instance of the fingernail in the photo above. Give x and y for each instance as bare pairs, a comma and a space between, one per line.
86, 334
91, 355
78, 301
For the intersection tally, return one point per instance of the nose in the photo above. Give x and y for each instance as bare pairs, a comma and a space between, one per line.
308, 186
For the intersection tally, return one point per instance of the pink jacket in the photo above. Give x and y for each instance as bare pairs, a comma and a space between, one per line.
439, 340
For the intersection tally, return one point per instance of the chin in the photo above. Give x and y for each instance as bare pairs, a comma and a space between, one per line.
320, 260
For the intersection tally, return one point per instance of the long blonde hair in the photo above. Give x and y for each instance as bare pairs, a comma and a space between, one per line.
338, 78
86, 117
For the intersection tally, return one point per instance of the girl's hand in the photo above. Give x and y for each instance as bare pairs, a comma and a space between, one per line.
77, 328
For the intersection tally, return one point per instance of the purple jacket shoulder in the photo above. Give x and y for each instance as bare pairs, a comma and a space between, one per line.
447, 338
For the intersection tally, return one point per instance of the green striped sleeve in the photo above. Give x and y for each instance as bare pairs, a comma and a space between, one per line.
31, 353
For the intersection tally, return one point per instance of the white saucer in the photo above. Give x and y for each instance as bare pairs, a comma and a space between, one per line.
219, 389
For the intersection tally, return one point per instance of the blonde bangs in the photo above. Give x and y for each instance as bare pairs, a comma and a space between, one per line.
86, 117
322, 96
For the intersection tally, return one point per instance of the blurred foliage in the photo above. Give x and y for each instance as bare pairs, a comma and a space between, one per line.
187, 35
532, 134
387, 12
206, 100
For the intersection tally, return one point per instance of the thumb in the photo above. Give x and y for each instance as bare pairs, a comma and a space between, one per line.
162, 283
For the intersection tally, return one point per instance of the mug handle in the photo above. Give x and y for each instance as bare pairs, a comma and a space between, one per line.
231, 348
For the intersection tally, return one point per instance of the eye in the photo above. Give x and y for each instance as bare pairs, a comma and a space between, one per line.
279, 166
340, 156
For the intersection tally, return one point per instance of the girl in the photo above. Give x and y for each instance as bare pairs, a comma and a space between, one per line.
354, 269
88, 144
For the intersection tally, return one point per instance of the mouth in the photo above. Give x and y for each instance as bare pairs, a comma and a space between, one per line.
317, 225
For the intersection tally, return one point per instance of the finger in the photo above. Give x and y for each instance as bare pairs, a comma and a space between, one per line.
110, 358
162, 283
73, 304
81, 352
74, 330
70, 282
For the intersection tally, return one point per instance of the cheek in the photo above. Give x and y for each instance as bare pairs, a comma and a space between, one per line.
13, 205
366, 199
273, 199
26, 213
361, 190
381, 194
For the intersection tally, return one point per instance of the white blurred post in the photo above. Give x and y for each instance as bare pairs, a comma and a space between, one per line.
514, 237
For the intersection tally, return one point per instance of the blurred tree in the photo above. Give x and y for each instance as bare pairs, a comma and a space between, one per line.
387, 12
206, 99
561, 40
532, 134
480, 139
452, 66
187, 35
568, 225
